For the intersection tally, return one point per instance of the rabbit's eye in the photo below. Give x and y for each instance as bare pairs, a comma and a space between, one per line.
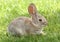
40, 19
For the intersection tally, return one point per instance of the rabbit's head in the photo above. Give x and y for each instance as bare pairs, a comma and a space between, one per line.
36, 18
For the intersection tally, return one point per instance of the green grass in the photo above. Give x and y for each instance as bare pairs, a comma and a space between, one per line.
11, 9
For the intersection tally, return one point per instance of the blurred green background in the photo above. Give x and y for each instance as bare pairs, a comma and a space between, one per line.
11, 9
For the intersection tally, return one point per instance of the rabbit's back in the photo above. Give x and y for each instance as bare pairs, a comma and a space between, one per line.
17, 26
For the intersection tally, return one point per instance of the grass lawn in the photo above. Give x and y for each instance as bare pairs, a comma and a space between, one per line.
11, 9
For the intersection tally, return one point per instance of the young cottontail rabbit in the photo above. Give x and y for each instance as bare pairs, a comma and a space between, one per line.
25, 25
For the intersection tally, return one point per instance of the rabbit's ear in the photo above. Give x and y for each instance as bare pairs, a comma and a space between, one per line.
32, 9
33, 12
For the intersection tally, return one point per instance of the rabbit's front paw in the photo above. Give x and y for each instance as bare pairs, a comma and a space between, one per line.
43, 33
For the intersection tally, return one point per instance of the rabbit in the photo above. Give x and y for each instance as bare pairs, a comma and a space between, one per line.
26, 25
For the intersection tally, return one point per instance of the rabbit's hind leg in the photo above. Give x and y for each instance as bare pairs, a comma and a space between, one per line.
20, 32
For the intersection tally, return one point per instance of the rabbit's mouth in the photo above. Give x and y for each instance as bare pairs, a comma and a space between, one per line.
43, 25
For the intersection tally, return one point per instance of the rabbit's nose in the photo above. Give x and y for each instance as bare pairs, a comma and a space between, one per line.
45, 23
